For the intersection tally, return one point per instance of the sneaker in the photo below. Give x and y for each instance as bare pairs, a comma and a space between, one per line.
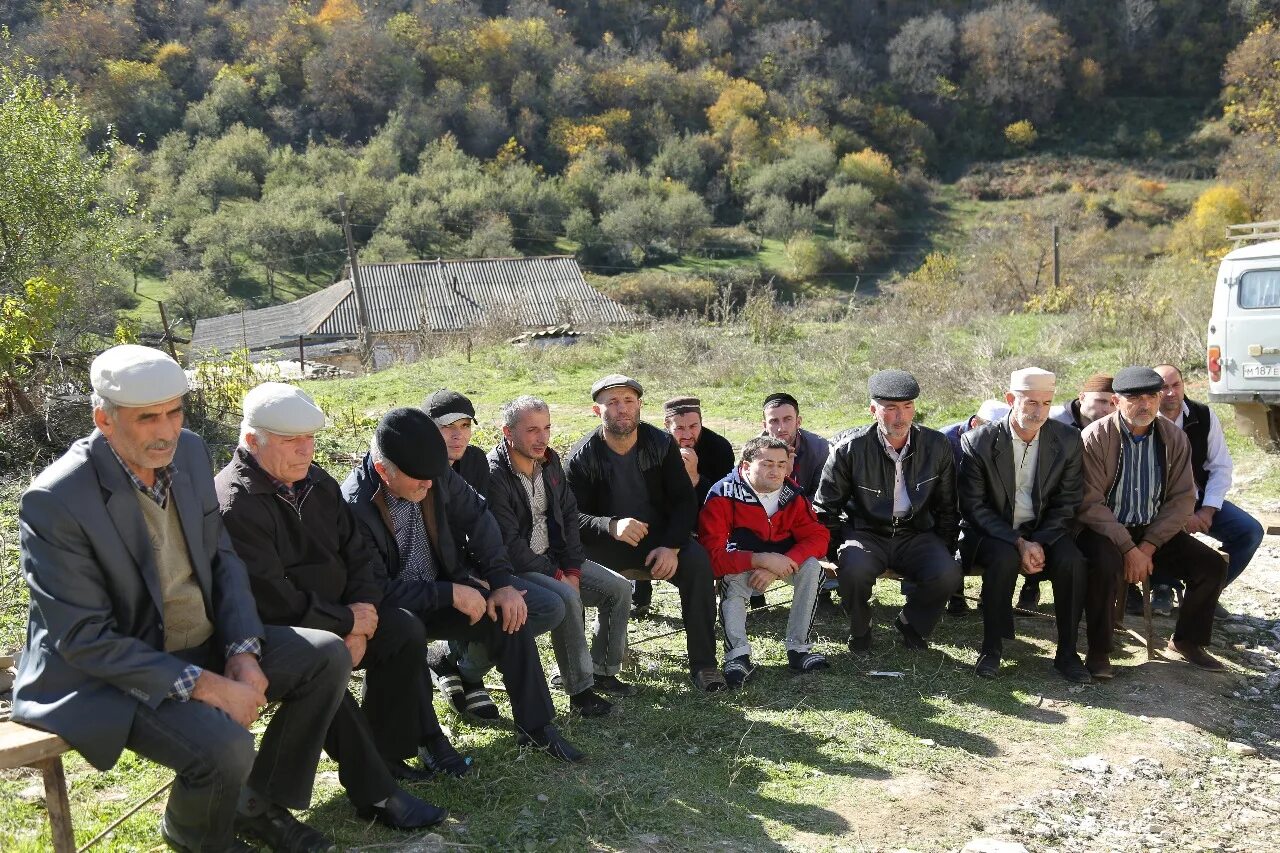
1029, 597
1162, 601
588, 704
806, 661
611, 685
1133, 601
738, 670
475, 703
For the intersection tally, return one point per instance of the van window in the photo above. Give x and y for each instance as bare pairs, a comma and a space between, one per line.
1260, 289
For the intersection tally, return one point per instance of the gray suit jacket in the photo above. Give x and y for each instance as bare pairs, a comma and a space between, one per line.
95, 640
987, 484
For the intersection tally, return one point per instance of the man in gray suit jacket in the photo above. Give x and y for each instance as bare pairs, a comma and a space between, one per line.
1020, 485
143, 633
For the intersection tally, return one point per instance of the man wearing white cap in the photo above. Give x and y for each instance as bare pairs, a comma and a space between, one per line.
1020, 486
310, 566
143, 631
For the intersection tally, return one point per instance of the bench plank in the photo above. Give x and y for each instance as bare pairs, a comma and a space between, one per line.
22, 746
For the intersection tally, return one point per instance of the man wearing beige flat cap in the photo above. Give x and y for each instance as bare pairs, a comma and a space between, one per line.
1020, 486
143, 632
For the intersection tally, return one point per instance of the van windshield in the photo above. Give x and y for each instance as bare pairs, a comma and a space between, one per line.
1260, 289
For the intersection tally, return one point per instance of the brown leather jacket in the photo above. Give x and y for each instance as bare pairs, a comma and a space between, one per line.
1102, 466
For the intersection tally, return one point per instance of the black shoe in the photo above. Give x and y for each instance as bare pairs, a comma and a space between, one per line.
612, 686
910, 636
738, 671
548, 739
404, 811
280, 831
588, 704
1029, 597
1162, 600
405, 772
1133, 601
957, 606
439, 756
988, 665
1072, 669
758, 601
237, 846
860, 645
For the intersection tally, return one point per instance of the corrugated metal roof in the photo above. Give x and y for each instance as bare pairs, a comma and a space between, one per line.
443, 295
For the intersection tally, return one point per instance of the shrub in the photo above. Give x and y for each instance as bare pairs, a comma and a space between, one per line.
1021, 134
807, 256
660, 293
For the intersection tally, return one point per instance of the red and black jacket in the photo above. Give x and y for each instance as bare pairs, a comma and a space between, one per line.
733, 525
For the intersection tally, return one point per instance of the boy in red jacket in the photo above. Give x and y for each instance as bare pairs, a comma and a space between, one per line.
758, 528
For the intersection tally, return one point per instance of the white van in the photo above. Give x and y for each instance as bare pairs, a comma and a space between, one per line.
1244, 337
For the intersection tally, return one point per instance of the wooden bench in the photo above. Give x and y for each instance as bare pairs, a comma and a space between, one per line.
22, 746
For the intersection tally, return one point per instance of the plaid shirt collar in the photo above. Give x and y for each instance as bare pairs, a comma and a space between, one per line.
159, 491
294, 492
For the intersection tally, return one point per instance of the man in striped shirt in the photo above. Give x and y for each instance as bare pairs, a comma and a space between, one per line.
1138, 495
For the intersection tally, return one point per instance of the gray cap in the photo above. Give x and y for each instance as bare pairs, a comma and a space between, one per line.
446, 407
1137, 380
282, 409
893, 386
616, 380
135, 376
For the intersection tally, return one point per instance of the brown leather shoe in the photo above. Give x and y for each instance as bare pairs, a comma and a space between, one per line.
1196, 656
1099, 667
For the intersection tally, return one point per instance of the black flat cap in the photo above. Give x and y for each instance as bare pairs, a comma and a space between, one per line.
445, 407
412, 442
616, 380
1137, 380
893, 386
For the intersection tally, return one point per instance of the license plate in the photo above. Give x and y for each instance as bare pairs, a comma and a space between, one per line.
1262, 371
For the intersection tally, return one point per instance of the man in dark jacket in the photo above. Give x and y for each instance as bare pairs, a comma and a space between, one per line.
636, 512
444, 556
309, 567
888, 497
456, 417
1020, 487
535, 510
808, 450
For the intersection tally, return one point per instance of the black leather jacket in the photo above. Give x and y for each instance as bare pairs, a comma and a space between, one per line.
856, 490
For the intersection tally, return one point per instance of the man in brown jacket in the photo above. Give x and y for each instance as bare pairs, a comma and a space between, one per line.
1138, 493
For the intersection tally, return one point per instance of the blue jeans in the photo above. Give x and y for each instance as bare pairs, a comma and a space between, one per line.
546, 611
1240, 535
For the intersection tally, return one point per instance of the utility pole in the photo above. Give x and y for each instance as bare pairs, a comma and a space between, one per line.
362, 309
1057, 268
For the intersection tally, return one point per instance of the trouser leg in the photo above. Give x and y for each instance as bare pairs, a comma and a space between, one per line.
393, 681
307, 672
1240, 535
1203, 571
610, 594
1103, 582
569, 638
516, 656
804, 604
861, 559
694, 580
211, 755
643, 595
924, 559
546, 611
1067, 572
735, 593
361, 768
1000, 563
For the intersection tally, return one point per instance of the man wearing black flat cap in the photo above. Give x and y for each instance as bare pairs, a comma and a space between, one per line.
446, 563
456, 417
888, 496
637, 511
1139, 492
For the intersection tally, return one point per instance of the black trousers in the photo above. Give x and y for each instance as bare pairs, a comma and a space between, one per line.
1183, 557
389, 727
213, 755
920, 557
1001, 564
516, 656
693, 579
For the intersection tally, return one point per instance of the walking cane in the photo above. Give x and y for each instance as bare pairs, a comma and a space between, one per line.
1146, 616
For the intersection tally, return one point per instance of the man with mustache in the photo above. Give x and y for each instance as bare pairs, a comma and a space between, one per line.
637, 510
538, 517
888, 496
1020, 486
143, 632
1139, 492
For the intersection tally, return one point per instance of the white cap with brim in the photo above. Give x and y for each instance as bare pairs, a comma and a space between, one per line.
282, 409
1033, 379
135, 376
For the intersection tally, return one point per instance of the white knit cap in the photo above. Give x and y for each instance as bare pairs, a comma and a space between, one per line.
282, 409
993, 410
1032, 379
135, 376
